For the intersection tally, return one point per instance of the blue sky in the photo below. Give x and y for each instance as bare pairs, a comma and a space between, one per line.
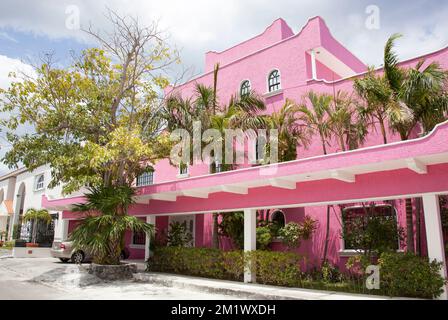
31, 28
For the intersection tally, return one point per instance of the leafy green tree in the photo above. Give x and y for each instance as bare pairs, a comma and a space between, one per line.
96, 121
102, 229
178, 235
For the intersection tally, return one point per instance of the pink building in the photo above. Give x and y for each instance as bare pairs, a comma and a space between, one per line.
279, 64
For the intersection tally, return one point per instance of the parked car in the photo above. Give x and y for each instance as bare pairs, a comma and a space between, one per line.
64, 251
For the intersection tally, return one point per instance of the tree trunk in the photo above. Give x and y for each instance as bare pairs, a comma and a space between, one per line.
327, 237
418, 238
34, 236
383, 130
409, 227
215, 239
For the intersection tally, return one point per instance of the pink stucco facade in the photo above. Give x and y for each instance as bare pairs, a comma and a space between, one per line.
278, 48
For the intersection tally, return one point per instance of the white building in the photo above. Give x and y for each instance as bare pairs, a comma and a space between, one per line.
21, 190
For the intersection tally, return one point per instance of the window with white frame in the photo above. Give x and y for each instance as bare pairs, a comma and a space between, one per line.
377, 220
146, 178
39, 182
245, 88
183, 169
274, 81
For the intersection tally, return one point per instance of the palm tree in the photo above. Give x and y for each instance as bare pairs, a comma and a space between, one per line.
34, 216
346, 122
102, 230
316, 118
419, 96
291, 133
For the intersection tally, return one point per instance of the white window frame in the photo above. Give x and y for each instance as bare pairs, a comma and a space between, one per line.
144, 185
136, 246
38, 186
186, 174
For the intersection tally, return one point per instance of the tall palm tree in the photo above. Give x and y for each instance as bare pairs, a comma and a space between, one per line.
318, 121
346, 123
35, 216
291, 133
102, 230
316, 118
419, 96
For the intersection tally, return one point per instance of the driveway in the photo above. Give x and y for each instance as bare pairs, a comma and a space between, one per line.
47, 278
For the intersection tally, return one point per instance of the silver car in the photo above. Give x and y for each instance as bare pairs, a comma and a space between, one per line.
64, 251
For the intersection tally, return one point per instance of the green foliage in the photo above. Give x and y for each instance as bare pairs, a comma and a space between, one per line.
178, 235
293, 233
277, 268
8, 244
16, 229
264, 238
232, 226
101, 231
408, 275
372, 232
37, 215
96, 121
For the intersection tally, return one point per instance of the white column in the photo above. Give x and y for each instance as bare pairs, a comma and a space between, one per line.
61, 228
250, 240
151, 220
313, 64
434, 235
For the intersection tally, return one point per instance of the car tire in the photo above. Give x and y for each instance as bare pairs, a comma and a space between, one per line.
64, 260
78, 257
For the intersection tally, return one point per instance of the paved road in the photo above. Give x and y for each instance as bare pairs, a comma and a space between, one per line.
29, 278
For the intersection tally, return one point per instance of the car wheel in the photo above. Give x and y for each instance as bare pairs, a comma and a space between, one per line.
77, 257
64, 260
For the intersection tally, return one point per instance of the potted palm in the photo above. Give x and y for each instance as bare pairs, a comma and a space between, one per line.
35, 216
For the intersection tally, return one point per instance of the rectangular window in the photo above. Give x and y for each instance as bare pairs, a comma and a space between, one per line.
370, 227
39, 182
183, 169
139, 238
145, 179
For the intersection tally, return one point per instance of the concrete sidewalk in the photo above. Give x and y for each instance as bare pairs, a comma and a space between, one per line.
247, 291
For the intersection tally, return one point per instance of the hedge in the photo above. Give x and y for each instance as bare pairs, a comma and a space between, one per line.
402, 275
276, 268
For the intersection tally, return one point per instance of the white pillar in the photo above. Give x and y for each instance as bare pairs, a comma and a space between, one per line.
313, 65
151, 220
61, 228
250, 240
434, 235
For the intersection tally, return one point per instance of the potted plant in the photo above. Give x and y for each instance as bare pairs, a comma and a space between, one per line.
2, 237
35, 216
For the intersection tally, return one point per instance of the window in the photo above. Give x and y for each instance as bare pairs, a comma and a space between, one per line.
40, 181
183, 169
139, 238
245, 88
146, 178
278, 218
274, 81
370, 227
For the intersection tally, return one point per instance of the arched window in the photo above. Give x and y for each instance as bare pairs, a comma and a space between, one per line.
278, 218
245, 88
274, 81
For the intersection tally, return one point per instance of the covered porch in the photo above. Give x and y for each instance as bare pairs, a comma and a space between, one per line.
411, 169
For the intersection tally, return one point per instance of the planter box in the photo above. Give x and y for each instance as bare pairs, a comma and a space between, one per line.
32, 245
23, 252
123, 271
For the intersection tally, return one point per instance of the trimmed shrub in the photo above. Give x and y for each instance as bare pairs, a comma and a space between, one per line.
408, 275
276, 268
